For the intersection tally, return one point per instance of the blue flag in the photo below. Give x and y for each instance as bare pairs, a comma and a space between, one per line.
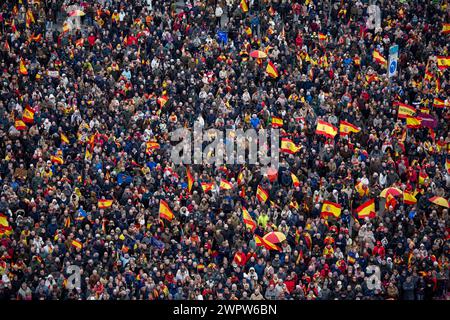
223, 36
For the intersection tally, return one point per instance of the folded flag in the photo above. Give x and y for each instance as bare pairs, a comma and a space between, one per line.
248, 221
330, 209
345, 128
103, 204
162, 100
404, 110
22, 68
262, 194
443, 62
367, 209
164, 211
362, 189
322, 37
326, 129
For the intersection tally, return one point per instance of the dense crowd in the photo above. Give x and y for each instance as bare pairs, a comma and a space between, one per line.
87, 104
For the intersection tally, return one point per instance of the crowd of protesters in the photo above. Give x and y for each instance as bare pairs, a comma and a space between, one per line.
130, 72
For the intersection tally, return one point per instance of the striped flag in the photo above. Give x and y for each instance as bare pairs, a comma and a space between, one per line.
77, 244
367, 209
244, 6
207, 186
56, 159
413, 123
190, 179
326, 129
443, 62
295, 181
277, 122
438, 103
271, 70
103, 204
404, 110
409, 198
164, 211
330, 209
378, 57
345, 128
225, 185
28, 115
445, 28
288, 146
248, 221
262, 194
261, 242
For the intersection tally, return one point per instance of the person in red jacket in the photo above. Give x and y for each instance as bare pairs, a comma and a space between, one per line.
379, 250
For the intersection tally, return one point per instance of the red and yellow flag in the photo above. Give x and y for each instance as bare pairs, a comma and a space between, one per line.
404, 110
103, 203
271, 70
262, 194
295, 181
362, 189
28, 115
438, 103
277, 122
443, 62
164, 211
207, 186
288, 146
190, 179
22, 68
330, 209
248, 221
445, 28
326, 129
77, 244
225, 185
376, 55
261, 242
345, 128
244, 6
367, 209
322, 37
162, 100
409, 198
447, 165
413, 123
64, 138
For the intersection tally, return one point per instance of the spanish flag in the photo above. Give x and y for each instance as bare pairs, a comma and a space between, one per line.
162, 100
345, 128
438, 103
164, 211
150, 146
423, 176
277, 122
413, 123
445, 28
295, 181
262, 194
22, 69
37, 38
288, 146
103, 204
248, 31
271, 70
376, 55
322, 37
207, 186
244, 6
367, 209
261, 242
447, 165
409, 198
362, 189
56, 159
77, 244
390, 201
240, 177
326, 129
330, 209
443, 62
225, 185
29, 18
248, 221
190, 179
28, 115
66, 27
64, 138
404, 110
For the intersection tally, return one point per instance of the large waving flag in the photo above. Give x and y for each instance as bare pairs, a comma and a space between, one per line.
443, 62
326, 129
262, 194
413, 123
248, 221
345, 128
28, 115
261, 242
164, 211
404, 110
330, 209
367, 209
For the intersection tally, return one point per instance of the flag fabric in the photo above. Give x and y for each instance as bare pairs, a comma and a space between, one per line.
248, 221
67, 222
225, 185
376, 55
326, 129
248, 31
288, 146
413, 123
190, 179
56, 159
22, 68
244, 6
295, 181
330, 209
77, 244
164, 211
66, 27
390, 201
345, 128
409, 198
447, 165
150, 146
261, 242
162, 100
404, 110
277, 122
445, 28
20, 125
240, 177
362, 189
438, 103
367, 209
443, 62
64, 138
207, 186
103, 204
81, 215
262, 194
322, 37
423, 176
271, 70
28, 115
